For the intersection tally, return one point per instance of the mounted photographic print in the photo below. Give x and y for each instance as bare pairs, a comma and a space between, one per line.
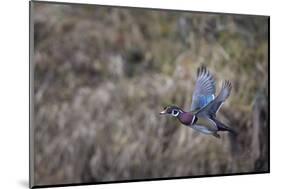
121, 94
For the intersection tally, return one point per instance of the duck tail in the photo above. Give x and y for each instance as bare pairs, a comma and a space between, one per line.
235, 148
223, 127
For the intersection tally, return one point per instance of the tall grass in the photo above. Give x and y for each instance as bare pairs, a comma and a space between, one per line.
103, 74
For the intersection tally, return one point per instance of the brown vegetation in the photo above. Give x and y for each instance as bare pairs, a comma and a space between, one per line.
101, 76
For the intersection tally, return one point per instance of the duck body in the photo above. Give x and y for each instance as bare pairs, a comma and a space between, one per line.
202, 124
186, 118
205, 105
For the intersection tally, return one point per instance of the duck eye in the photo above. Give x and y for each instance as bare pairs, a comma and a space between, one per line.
175, 112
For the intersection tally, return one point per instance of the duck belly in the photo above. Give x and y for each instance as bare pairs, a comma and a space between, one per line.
205, 125
203, 129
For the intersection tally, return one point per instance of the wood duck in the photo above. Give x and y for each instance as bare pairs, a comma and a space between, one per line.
202, 116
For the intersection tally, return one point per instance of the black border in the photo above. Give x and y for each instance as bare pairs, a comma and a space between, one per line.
31, 179
148, 180
157, 9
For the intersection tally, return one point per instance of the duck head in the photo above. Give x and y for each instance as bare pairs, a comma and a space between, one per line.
172, 110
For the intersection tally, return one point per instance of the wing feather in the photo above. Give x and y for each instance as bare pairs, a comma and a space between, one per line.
213, 107
205, 89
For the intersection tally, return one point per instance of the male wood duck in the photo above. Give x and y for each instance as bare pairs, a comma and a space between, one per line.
202, 116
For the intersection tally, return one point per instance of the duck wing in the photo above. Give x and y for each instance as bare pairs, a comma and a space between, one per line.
213, 107
205, 89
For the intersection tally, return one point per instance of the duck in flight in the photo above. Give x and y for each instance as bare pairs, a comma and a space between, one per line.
205, 105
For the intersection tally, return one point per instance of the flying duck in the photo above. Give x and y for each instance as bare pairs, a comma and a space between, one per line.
205, 105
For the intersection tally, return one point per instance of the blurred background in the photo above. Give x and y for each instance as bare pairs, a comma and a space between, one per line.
103, 74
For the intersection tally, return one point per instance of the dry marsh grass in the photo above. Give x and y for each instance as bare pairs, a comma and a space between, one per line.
102, 74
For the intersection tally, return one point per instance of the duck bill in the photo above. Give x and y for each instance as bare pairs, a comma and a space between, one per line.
163, 112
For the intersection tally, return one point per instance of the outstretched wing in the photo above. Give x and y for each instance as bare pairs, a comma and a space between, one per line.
205, 89
213, 107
